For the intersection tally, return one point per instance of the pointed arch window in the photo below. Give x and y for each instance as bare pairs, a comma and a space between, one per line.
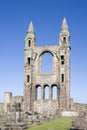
46, 62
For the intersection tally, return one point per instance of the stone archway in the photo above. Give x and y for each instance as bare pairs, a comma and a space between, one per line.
46, 92
46, 64
38, 92
54, 92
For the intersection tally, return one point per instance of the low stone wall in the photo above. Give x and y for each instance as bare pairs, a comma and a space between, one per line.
69, 113
80, 107
77, 106
15, 126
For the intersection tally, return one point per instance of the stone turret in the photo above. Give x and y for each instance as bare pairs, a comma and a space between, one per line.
30, 43
64, 25
64, 45
30, 28
64, 33
30, 40
7, 100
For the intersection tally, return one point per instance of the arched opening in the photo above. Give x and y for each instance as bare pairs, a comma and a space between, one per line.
54, 92
38, 92
46, 62
29, 43
64, 39
46, 95
28, 60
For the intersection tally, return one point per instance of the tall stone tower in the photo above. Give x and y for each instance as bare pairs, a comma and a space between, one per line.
59, 79
30, 44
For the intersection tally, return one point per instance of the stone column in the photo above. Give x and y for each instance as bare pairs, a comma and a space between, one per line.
42, 93
50, 92
7, 99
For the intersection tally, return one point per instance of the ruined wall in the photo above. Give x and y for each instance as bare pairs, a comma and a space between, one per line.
48, 107
11, 101
17, 99
80, 107
33, 77
1, 108
59, 77
77, 106
7, 100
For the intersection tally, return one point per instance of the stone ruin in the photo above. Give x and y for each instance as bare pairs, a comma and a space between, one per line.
80, 123
31, 108
15, 118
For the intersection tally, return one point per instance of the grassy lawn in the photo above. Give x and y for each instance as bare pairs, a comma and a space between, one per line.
57, 124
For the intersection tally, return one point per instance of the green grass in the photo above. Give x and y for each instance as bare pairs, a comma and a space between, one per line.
2, 120
57, 124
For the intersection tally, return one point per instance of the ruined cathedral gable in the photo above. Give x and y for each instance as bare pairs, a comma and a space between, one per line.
37, 83
59, 78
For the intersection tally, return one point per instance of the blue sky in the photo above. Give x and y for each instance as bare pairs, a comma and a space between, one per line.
47, 16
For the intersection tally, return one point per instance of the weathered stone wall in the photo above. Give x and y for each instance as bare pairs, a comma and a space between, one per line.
12, 100
60, 75
80, 107
46, 107
77, 106
17, 99
69, 113
7, 100
33, 77
1, 108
